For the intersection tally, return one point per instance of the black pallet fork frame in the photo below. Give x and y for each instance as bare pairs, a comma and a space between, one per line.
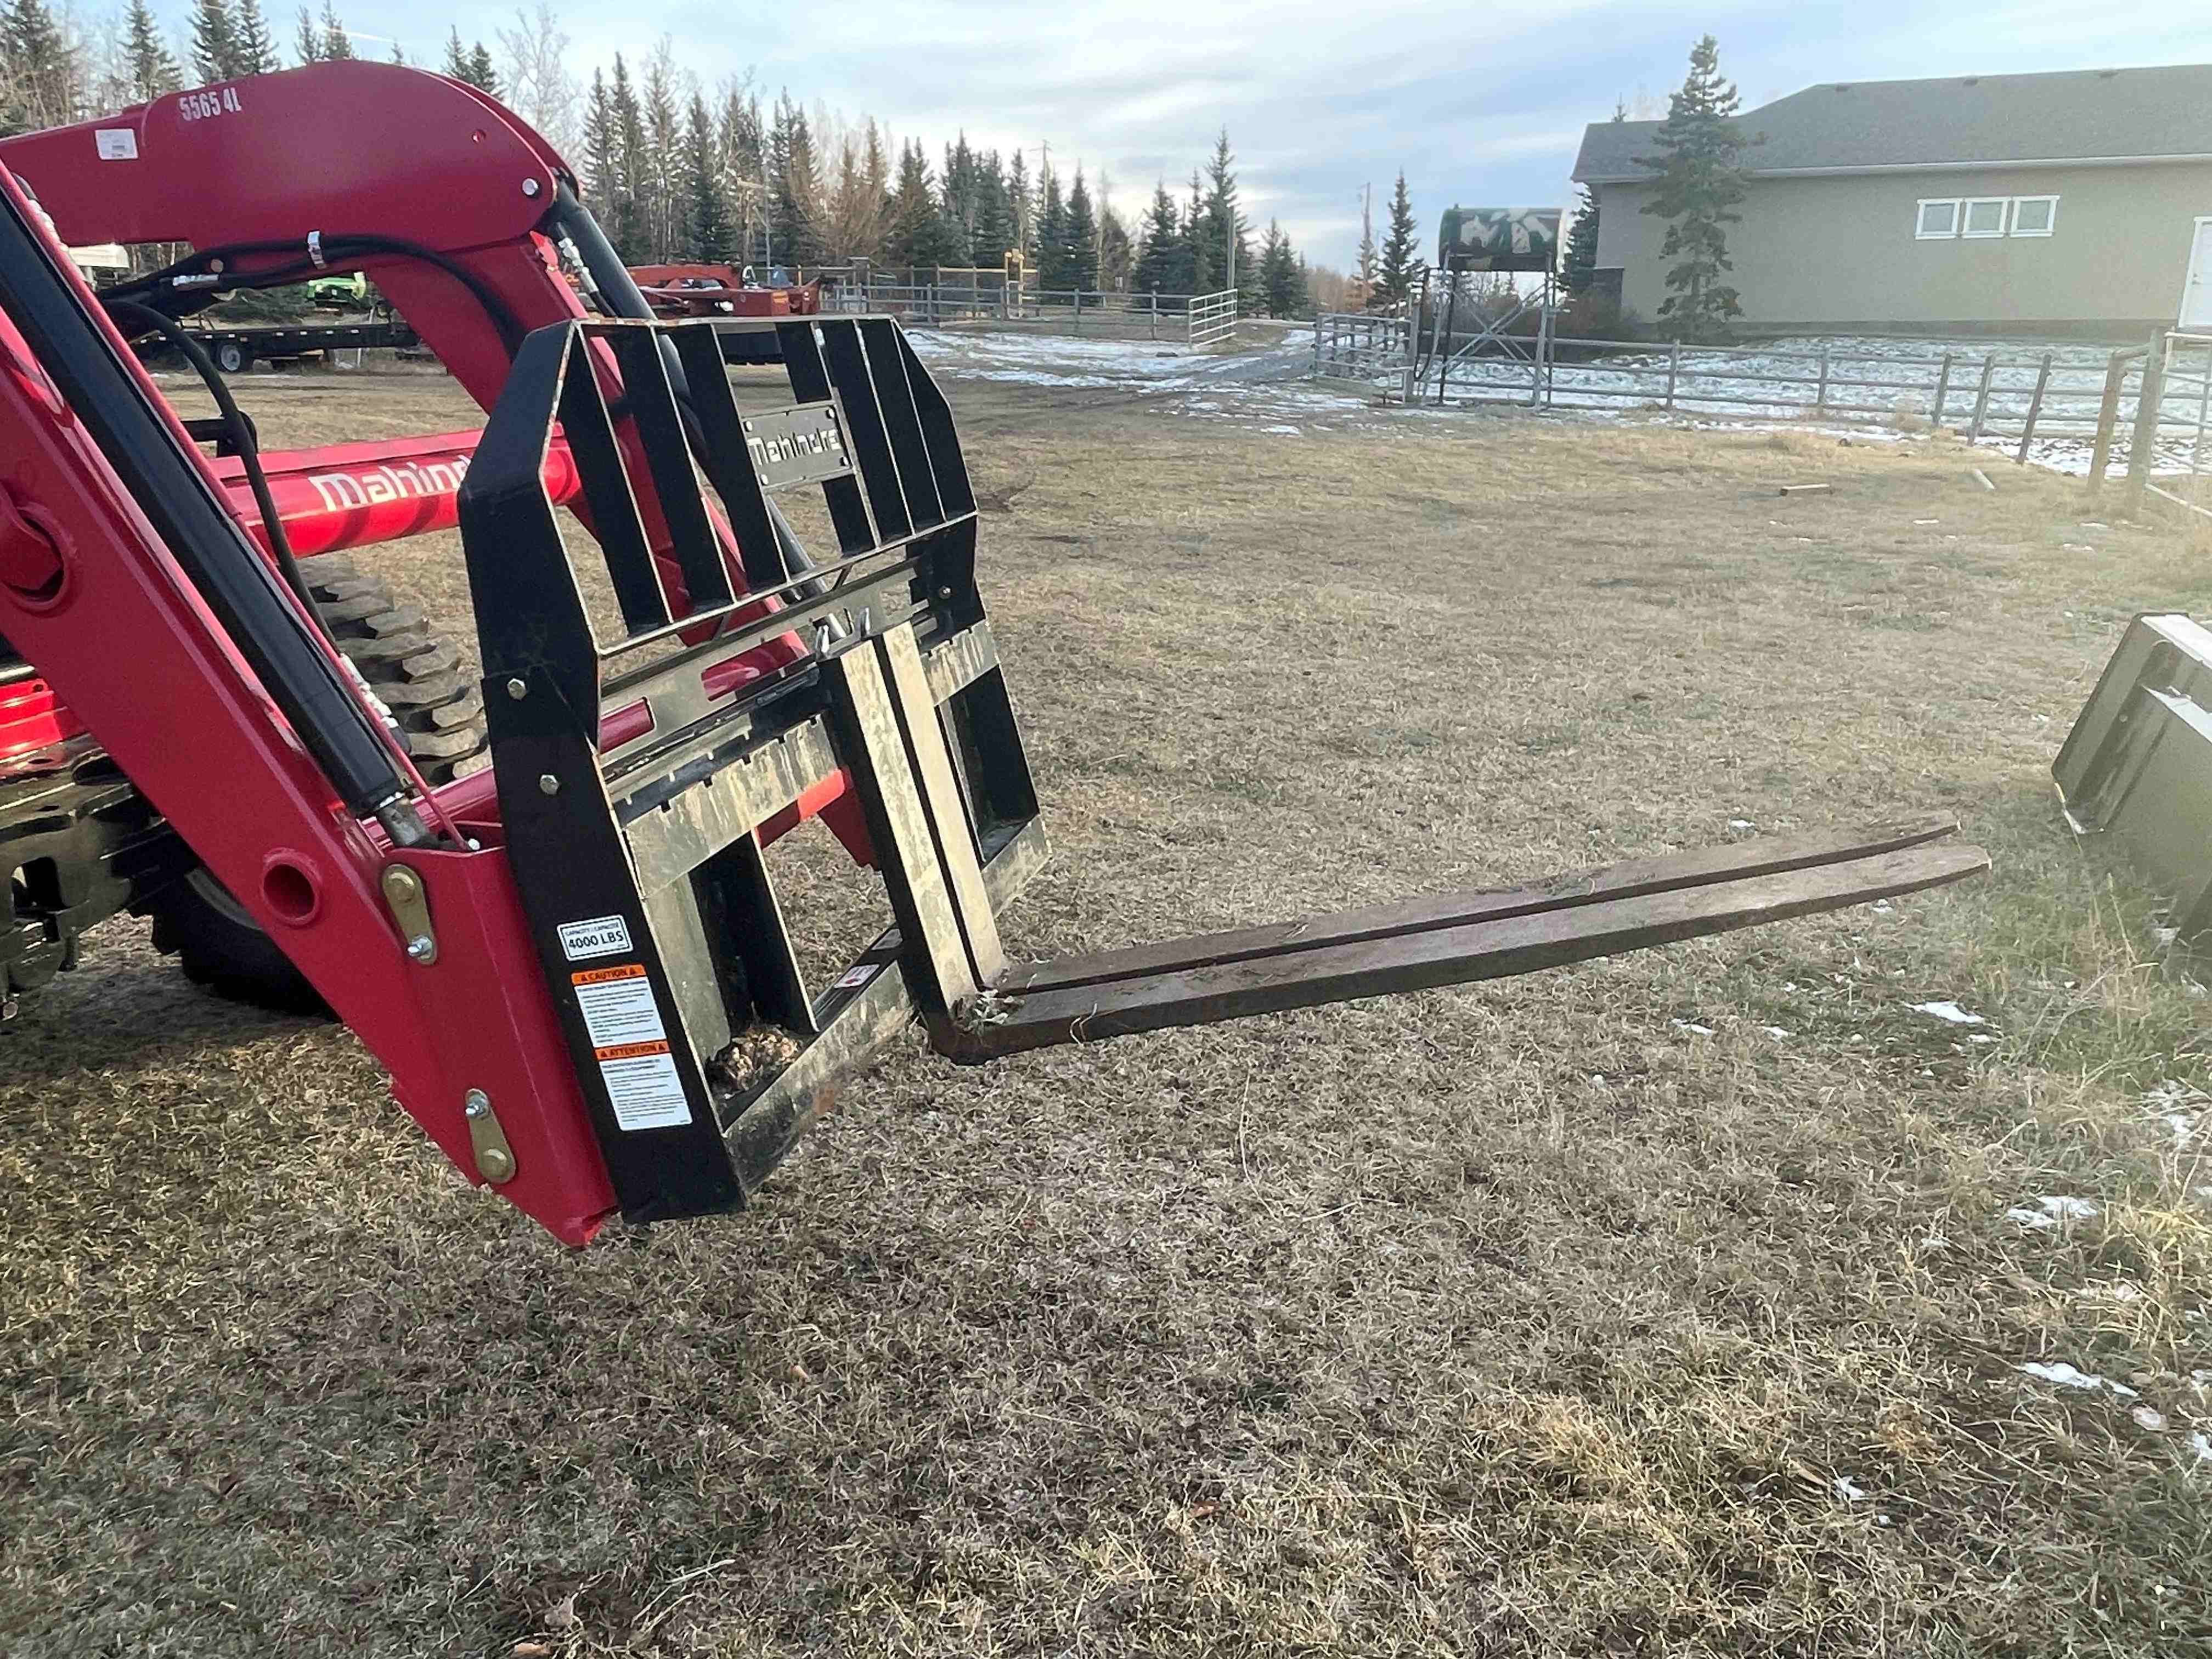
702, 1050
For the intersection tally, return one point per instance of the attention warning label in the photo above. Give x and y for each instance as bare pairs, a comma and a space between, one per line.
631, 1045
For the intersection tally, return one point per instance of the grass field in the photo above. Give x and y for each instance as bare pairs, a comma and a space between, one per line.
1674, 1304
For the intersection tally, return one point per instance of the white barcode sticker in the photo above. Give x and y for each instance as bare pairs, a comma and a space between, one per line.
631, 1043
116, 143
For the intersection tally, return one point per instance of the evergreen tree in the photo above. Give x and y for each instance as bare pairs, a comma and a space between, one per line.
627, 229
659, 181
1401, 262
1159, 266
711, 240
214, 42
919, 239
482, 72
1580, 265
398, 53
1050, 235
1226, 232
336, 43
254, 48
995, 217
794, 187
1082, 234
1021, 202
602, 149
148, 66
1201, 264
456, 65
1282, 275
308, 42
1699, 184
38, 78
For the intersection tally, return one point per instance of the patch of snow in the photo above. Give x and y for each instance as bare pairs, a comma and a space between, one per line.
1742, 824
2051, 1211
1699, 1030
2200, 1444
1849, 1492
1291, 431
1777, 1032
2146, 1418
1947, 1010
2067, 1376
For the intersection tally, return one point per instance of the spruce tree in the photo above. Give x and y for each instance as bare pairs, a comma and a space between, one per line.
151, 69
214, 41
994, 217
627, 229
794, 187
602, 149
1579, 266
709, 235
1699, 182
1021, 202
1282, 278
337, 45
1226, 232
254, 48
919, 239
483, 74
308, 42
1160, 263
1200, 264
1081, 237
1051, 235
37, 71
1401, 262
456, 66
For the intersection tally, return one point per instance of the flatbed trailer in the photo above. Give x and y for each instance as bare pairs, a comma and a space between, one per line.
235, 349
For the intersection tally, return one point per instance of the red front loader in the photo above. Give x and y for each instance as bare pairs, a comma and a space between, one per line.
574, 962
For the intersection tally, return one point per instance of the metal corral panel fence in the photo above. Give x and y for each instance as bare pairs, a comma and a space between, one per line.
2080, 407
1364, 347
2183, 366
1194, 318
1212, 316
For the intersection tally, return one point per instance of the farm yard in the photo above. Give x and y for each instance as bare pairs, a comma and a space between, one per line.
1832, 1288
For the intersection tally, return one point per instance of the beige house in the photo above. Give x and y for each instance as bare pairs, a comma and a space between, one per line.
2073, 203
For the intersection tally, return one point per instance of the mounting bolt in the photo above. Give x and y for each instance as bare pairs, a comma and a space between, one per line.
421, 947
548, 784
496, 1164
530, 187
475, 1104
518, 689
944, 593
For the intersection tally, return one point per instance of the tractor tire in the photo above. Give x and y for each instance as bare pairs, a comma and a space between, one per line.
439, 713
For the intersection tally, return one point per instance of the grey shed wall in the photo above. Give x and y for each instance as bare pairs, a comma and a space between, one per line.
1841, 253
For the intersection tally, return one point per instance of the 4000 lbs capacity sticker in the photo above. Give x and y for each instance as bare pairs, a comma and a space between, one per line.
631, 1045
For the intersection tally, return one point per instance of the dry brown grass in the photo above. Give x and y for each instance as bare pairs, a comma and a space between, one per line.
1518, 1321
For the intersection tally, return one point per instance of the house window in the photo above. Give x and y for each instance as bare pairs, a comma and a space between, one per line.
1938, 219
2034, 215
1984, 216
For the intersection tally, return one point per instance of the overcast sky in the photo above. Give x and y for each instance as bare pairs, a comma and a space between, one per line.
1478, 105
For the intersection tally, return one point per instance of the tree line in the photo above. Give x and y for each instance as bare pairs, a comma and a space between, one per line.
677, 171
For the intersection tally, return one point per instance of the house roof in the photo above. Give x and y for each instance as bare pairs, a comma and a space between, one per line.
1958, 121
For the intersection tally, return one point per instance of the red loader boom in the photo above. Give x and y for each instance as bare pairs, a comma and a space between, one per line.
575, 964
